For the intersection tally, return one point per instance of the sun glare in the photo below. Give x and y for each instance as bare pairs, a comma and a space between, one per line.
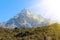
51, 8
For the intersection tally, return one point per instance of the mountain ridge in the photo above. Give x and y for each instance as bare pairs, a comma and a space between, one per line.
26, 18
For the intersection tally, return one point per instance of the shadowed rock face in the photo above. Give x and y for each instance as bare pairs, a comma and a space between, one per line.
26, 19
22, 34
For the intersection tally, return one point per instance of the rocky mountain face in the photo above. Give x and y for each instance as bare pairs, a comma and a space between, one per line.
26, 18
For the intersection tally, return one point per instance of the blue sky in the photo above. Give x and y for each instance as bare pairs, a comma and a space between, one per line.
9, 8
47, 8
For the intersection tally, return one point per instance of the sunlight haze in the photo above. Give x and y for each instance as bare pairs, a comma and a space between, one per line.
47, 8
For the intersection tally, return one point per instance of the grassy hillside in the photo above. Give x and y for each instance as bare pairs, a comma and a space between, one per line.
51, 32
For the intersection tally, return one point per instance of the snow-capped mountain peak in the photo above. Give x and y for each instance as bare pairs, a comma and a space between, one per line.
26, 18
25, 12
